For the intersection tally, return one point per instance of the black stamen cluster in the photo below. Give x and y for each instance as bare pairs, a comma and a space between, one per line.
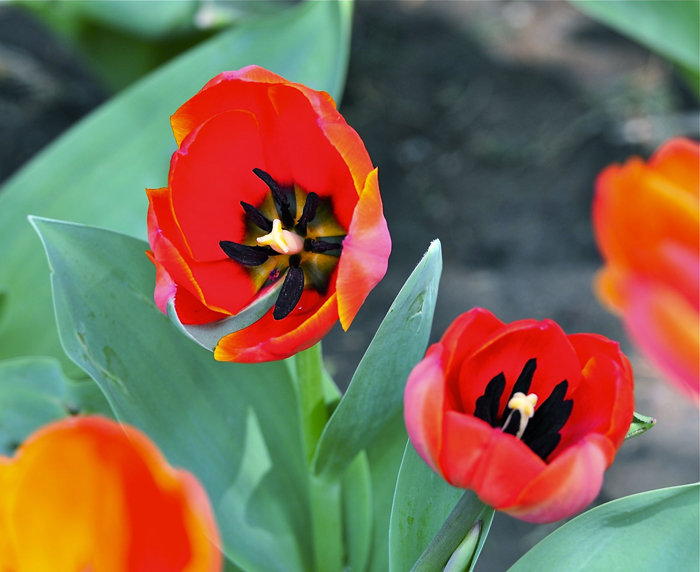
293, 286
542, 431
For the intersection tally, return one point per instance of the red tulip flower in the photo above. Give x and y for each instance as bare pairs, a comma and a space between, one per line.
646, 218
86, 493
270, 188
524, 415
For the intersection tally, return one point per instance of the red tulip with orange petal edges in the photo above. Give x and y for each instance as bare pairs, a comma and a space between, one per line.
646, 218
86, 493
270, 188
524, 415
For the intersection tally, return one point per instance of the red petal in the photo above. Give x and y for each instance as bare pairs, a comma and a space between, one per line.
314, 163
495, 465
223, 286
508, 352
604, 401
462, 338
679, 160
269, 339
209, 176
424, 404
225, 93
566, 486
365, 255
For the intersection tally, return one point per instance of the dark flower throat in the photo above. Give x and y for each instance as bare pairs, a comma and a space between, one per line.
542, 431
310, 268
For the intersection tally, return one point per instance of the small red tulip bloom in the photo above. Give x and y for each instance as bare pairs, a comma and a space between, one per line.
269, 187
524, 415
646, 218
86, 493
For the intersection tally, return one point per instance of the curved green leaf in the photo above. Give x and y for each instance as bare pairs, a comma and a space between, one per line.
96, 173
33, 392
235, 426
422, 502
656, 530
375, 395
640, 424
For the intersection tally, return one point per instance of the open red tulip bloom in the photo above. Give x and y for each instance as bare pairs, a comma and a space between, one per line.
646, 218
524, 415
86, 493
269, 186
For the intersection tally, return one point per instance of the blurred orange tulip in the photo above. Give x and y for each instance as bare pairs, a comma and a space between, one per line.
646, 221
86, 493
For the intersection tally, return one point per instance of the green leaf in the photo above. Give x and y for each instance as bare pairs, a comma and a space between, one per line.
357, 512
656, 530
375, 394
235, 426
422, 502
33, 392
96, 173
669, 28
640, 424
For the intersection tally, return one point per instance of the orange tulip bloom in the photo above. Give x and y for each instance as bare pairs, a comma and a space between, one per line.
646, 221
86, 493
269, 189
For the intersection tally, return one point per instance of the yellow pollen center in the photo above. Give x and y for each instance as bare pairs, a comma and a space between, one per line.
281, 240
525, 405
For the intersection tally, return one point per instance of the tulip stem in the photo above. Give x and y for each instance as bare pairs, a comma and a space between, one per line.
324, 494
463, 529
312, 405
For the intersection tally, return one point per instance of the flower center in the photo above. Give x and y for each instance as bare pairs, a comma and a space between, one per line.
523, 404
282, 241
537, 426
293, 234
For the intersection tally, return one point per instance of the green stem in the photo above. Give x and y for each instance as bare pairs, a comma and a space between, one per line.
314, 414
325, 495
458, 526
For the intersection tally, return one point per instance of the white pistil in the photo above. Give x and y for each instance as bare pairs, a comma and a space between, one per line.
281, 240
525, 405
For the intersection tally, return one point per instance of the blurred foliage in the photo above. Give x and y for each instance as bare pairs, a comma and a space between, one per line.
669, 28
123, 41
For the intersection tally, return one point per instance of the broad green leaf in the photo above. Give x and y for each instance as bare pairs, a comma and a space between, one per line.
33, 392
422, 502
357, 512
669, 28
384, 454
96, 173
656, 530
235, 426
375, 394
640, 424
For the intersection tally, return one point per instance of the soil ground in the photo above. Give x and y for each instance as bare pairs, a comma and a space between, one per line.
489, 122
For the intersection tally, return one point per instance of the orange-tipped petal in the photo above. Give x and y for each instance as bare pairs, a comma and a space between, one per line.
365, 252
86, 493
258, 342
646, 218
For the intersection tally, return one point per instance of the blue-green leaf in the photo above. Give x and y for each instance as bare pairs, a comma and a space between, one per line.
375, 395
656, 530
422, 502
235, 426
